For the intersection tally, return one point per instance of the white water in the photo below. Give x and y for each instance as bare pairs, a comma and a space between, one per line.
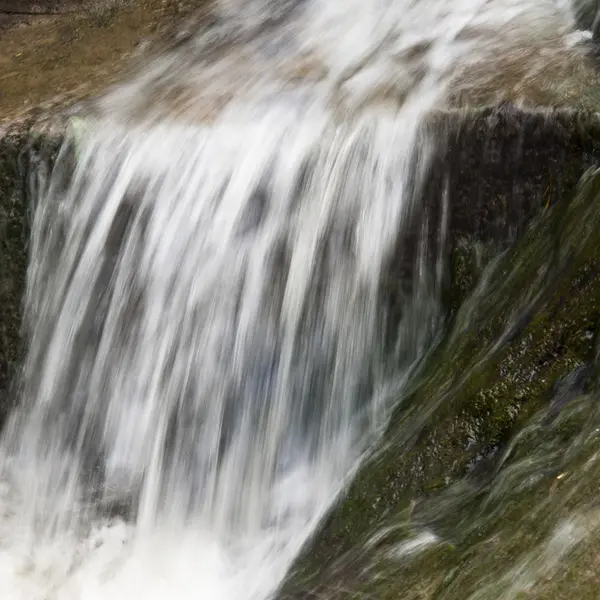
204, 300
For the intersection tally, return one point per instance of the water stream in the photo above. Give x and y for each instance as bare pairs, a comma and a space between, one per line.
206, 362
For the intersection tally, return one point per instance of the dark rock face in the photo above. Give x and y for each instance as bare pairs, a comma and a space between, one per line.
494, 169
13, 254
587, 15
22, 147
498, 414
497, 170
503, 165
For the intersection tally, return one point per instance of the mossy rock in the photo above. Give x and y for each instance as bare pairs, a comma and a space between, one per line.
26, 150
474, 450
13, 256
587, 15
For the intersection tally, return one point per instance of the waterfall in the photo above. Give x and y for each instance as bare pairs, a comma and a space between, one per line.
205, 315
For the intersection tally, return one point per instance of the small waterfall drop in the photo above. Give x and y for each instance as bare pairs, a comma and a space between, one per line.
206, 344
206, 328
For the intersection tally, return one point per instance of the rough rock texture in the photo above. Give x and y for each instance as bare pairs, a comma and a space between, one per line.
496, 168
24, 146
13, 255
587, 15
504, 409
504, 165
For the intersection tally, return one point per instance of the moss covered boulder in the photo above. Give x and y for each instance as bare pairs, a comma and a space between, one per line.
485, 483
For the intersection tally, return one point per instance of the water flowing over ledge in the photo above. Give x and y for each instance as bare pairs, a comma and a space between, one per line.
486, 140
222, 306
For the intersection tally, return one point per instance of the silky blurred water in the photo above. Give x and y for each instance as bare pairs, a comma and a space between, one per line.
206, 364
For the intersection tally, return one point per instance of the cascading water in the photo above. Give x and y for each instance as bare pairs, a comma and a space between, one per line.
206, 360
206, 336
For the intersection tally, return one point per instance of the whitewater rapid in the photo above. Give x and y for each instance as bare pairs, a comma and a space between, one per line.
206, 364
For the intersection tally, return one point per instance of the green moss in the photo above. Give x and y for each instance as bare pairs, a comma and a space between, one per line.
22, 148
468, 259
469, 452
13, 259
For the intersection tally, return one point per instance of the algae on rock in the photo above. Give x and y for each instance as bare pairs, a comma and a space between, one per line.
26, 152
485, 479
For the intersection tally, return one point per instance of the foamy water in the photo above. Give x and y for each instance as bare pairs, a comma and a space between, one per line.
206, 365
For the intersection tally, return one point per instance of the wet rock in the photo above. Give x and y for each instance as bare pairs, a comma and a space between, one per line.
497, 170
22, 146
587, 15
568, 388
523, 405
